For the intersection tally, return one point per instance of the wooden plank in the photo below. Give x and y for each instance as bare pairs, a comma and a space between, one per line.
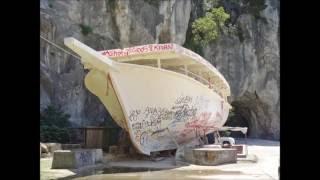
94, 138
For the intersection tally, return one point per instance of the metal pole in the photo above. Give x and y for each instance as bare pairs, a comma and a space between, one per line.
245, 138
55, 45
246, 143
185, 69
159, 63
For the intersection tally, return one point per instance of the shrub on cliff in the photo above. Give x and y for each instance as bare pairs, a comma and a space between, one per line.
207, 28
54, 125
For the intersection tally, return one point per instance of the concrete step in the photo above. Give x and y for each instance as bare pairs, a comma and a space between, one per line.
73, 159
211, 156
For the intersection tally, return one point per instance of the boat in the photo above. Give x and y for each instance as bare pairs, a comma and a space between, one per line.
163, 95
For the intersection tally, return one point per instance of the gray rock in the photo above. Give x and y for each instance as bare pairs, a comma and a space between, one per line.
114, 24
252, 68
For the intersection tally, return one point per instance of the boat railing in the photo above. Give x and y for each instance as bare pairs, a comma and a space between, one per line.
195, 76
201, 79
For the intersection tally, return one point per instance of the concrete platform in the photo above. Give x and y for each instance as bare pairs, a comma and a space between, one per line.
70, 146
211, 156
212, 146
73, 159
241, 150
262, 163
53, 147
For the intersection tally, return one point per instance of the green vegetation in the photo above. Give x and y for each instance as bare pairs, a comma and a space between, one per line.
54, 125
254, 7
207, 29
85, 30
153, 2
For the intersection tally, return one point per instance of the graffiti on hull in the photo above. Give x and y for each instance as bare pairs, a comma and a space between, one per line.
186, 114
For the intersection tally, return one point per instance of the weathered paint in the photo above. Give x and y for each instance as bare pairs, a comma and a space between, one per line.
151, 103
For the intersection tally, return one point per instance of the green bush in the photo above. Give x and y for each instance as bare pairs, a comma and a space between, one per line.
206, 29
54, 125
85, 30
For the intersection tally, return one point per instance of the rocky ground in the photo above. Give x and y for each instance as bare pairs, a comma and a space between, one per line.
267, 154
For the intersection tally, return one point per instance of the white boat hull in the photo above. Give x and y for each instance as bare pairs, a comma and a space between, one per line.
161, 109
153, 99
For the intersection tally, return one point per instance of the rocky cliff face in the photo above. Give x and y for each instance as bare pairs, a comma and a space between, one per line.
250, 62
249, 59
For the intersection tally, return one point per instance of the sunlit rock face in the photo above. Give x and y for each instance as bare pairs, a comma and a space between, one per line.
250, 62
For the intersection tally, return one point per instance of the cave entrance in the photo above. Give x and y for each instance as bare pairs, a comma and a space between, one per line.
236, 119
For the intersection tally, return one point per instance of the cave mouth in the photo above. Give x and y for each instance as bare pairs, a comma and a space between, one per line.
251, 111
236, 119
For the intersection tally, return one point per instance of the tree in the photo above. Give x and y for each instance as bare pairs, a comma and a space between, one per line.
206, 29
54, 124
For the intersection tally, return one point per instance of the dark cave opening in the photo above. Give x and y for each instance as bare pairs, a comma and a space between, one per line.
236, 119
249, 110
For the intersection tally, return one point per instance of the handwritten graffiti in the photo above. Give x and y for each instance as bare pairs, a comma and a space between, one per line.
150, 117
134, 114
136, 126
138, 50
183, 99
182, 118
157, 113
145, 124
85, 158
183, 110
